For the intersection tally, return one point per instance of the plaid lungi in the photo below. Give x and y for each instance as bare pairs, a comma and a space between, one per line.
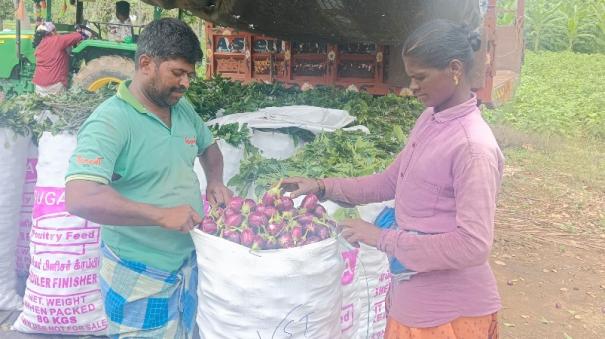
143, 302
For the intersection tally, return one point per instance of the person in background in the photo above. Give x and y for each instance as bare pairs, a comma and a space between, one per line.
444, 184
52, 58
120, 27
132, 172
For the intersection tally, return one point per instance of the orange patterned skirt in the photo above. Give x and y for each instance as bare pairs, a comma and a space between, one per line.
485, 327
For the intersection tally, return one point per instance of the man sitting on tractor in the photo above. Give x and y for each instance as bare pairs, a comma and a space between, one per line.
120, 27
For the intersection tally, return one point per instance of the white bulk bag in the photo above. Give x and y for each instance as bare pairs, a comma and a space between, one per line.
25, 221
13, 155
232, 157
62, 294
274, 145
349, 317
374, 280
286, 293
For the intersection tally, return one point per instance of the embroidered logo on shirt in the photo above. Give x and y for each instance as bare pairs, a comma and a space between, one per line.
190, 141
85, 161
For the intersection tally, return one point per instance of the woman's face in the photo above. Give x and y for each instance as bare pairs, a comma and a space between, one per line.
430, 85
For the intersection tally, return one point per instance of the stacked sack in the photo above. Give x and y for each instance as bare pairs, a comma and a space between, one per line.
62, 294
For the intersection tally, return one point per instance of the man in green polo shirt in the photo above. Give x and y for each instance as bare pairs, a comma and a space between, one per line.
132, 172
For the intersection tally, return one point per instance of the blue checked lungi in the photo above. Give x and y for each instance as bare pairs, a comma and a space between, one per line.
143, 302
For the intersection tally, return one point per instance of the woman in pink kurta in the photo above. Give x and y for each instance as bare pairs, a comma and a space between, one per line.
444, 183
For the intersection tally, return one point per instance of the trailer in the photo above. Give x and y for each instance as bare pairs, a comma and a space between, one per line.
365, 66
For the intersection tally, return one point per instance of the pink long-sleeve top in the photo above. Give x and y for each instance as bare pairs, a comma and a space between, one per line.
444, 182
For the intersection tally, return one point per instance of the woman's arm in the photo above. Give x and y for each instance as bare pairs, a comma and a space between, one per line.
364, 190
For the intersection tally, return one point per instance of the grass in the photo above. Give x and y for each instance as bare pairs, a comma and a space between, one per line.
553, 137
553, 186
560, 94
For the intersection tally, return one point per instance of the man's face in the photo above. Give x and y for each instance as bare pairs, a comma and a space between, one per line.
168, 81
121, 17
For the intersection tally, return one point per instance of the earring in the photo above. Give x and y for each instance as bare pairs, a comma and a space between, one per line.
456, 81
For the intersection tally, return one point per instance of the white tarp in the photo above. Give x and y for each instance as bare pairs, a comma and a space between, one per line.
311, 118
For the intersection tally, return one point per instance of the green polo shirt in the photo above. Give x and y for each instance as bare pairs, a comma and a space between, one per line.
124, 145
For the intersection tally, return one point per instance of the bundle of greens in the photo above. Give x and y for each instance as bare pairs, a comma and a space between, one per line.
65, 112
389, 119
382, 115
237, 135
338, 154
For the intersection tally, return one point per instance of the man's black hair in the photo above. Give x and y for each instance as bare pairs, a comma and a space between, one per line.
123, 8
167, 39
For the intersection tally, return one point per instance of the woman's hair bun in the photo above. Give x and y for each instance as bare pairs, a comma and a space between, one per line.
474, 38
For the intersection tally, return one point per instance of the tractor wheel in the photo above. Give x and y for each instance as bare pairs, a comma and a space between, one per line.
97, 73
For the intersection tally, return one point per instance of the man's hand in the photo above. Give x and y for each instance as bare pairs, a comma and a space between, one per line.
181, 218
356, 230
212, 163
218, 194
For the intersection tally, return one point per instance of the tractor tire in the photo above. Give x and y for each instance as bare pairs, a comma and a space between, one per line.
97, 73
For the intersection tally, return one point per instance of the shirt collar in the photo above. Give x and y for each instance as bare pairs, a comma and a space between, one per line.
125, 94
457, 111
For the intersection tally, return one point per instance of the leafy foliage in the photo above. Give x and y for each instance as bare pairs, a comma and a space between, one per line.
342, 153
58, 113
234, 134
389, 119
338, 154
388, 115
574, 25
559, 94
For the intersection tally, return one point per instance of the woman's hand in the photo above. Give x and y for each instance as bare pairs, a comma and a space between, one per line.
301, 186
357, 230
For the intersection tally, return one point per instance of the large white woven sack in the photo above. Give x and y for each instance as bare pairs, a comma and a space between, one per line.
374, 280
351, 310
13, 155
279, 294
232, 157
27, 205
62, 294
274, 145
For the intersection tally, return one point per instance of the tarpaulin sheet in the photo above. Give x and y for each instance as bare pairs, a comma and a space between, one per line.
379, 21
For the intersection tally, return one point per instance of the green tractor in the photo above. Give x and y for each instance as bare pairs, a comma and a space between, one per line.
95, 62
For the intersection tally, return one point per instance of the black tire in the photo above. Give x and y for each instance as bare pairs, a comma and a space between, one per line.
98, 72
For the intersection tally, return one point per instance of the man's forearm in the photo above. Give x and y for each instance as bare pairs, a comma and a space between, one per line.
212, 163
103, 205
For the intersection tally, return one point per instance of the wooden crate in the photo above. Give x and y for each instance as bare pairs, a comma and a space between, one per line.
247, 57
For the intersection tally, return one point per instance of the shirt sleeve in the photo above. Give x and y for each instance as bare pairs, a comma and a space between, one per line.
476, 183
68, 40
364, 190
100, 142
204, 137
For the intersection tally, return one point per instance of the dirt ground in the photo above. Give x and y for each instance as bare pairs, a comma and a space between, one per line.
549, 253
